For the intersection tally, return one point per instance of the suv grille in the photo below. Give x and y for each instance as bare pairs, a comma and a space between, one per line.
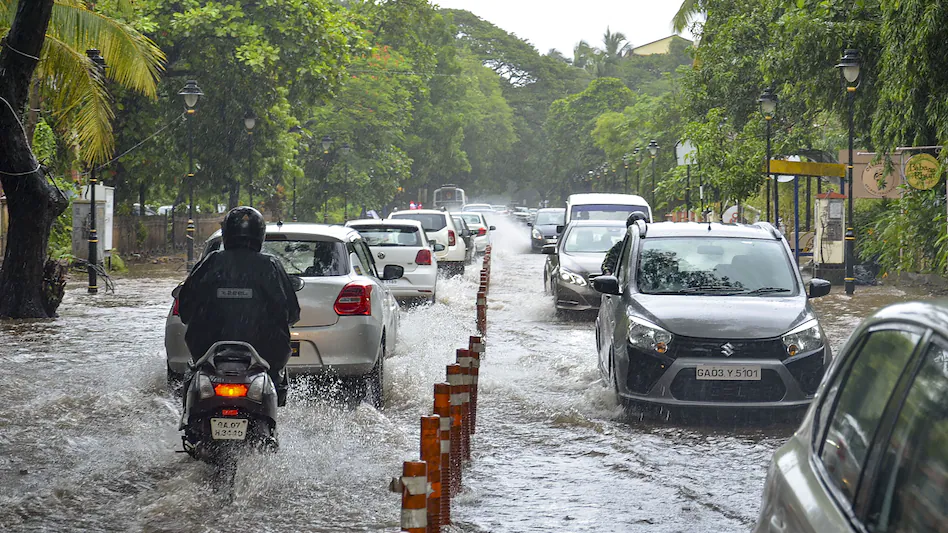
686, 387
741, 349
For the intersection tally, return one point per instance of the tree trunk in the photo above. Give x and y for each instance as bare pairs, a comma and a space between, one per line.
32, 201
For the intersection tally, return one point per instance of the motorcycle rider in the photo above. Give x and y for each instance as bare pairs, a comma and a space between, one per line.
612, 256
241, 294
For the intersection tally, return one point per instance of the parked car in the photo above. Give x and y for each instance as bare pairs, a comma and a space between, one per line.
478, 223
403, 243
348, 317
576, 260
872, 451
709, 315
544, 230
467, 234
440, 227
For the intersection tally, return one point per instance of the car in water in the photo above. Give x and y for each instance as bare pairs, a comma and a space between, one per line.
545, 229
440, 228
477, 221
403, 243
348, 317
478, 208
467, 234
605, 206
576, 260
709, 315
871, 454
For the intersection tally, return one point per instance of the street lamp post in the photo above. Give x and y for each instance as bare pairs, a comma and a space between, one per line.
191, 92
250, 120
849, 69
345, 184
326, 143
768, 106
653, 151
99, 62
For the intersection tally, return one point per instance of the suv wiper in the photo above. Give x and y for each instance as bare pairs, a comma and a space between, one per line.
768, 290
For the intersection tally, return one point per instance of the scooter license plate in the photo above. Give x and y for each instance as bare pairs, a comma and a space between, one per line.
228, 428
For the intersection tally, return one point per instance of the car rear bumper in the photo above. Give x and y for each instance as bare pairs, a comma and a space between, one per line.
421, 282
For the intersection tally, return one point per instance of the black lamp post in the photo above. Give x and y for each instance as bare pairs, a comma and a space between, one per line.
637, 153
345, 184
653, 151
326, 143
849, 69
191, 92
250, 120
99, 63
768, 106
625, 184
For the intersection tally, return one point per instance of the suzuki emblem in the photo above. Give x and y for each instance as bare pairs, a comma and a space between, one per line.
381, 255
727, 349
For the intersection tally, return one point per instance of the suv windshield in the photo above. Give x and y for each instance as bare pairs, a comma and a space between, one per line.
429, 221
551, 218
592, 239
303, 257
722, 266
389, 236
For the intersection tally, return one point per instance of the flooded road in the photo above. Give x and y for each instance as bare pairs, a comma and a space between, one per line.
88, 430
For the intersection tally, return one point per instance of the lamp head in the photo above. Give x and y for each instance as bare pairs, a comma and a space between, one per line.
250, 120
849, 65
327, 143
191, 92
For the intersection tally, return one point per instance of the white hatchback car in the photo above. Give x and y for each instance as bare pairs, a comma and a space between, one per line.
478, 222
403, 243
441, 229
348, 317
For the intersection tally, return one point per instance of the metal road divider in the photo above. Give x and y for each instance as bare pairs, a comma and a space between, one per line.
429, 485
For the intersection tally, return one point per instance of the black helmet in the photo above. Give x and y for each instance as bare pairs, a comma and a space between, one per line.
635, 216
243, 227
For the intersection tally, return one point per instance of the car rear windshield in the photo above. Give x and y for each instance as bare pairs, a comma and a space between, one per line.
605, 211
551, 218
592, 239
472, 219
389, 235
429, 221
304, 257
721, 266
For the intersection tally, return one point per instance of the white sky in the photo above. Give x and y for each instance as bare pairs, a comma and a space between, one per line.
561, 24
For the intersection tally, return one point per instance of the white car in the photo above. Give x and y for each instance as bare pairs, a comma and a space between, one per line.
478, 208
478, 222
441, 229
403, 243
348, 317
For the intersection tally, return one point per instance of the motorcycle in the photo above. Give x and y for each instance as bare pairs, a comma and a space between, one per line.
230, 406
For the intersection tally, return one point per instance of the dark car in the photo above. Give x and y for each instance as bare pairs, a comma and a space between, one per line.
576, 260
543, 230
467, 235
710, 315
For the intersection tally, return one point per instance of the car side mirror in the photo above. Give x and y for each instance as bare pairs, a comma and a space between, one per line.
607, 284
819, 287
297, 283
549, 249
393, 272
559, 229
492, 228
438, 247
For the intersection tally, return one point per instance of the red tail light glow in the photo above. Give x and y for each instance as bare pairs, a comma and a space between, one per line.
481, 232
452, 238
174, 308
229, 412
354, 299
230, 390
423, 257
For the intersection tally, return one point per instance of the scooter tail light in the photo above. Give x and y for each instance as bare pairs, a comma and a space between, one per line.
452, 238
423, 257
354, 299
229, 412
231, 390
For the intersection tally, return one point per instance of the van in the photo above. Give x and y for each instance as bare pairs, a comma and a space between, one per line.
602, 206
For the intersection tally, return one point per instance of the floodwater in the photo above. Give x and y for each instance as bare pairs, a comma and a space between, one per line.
88, 430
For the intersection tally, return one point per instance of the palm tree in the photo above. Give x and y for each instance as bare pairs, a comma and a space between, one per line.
615, 44
689, 10
582, 53
66, 79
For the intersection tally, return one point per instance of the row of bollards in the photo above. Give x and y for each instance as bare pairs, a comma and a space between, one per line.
429, 485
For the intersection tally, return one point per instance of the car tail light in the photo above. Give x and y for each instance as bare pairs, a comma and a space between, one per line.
452, 238
174, 308
231, 390
423, 257
481, 232
355, 299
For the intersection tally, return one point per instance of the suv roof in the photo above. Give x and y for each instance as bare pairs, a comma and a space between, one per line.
761, 230
418, 211
407, 222
302, 229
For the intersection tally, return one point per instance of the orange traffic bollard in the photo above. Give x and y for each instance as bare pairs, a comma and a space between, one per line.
431, 454
482, 313
415, 497
464, 359
442, 408
454, 378
473, 378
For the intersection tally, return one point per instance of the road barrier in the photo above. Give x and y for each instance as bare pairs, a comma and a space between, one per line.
428, 486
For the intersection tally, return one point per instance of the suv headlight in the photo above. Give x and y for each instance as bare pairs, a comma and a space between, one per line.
571, 277
536, 234
647, 336
806, 337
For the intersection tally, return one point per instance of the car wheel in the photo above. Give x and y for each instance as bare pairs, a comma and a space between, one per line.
175, 380
433, 300
459, 271
374, 381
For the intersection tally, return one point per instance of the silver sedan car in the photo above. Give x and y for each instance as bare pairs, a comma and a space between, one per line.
348, 317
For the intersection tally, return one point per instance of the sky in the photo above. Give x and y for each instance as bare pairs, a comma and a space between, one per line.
561, 24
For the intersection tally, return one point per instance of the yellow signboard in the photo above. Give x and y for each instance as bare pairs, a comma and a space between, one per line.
921, 171
800, 168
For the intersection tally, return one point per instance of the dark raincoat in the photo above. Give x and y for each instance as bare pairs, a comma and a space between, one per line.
240, 295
